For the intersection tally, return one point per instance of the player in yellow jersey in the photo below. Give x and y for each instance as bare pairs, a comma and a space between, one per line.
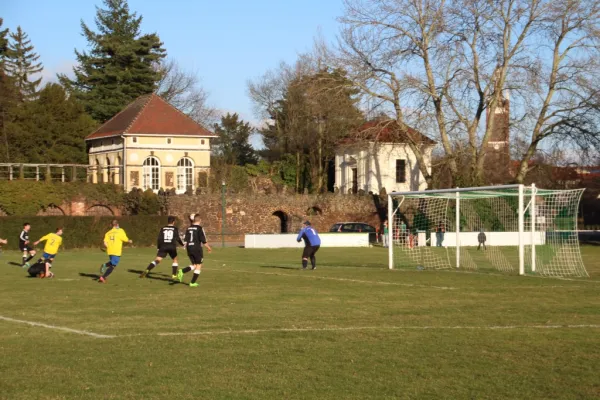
53, 242
113, 240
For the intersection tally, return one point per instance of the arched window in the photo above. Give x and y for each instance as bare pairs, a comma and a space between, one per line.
151, 171
185, 174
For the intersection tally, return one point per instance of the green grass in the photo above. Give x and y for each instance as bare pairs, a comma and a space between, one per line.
259, 328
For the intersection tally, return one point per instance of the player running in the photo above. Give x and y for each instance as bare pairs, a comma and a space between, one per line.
312, 242
168, 237
28, 252
194, 239
113, 241
53, 242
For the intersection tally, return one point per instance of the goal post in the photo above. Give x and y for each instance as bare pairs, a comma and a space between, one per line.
515, 229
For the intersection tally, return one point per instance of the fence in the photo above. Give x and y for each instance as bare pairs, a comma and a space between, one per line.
60, 172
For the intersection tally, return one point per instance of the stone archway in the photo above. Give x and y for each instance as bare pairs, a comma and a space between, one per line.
99, 211
314, 210
284, 221
51, 211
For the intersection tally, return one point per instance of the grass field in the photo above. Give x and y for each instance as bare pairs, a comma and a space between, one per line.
260, 328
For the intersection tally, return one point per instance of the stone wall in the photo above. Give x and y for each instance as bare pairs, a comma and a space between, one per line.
274, 213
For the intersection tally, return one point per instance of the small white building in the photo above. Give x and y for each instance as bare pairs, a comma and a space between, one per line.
377, 157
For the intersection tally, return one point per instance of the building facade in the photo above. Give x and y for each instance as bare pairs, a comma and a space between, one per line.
378, 157
150, 145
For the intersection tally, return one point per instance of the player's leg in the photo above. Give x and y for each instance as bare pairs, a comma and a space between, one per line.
305, 256
31, 254
197, 270
185, 270
313, 259
110, 267
153, 264
175, 265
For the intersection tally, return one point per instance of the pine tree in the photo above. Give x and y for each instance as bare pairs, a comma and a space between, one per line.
50, 129
22, 63
3, 42
233, 144
120, 65
8, 97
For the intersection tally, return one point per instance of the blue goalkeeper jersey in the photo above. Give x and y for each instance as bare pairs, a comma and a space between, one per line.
310, 236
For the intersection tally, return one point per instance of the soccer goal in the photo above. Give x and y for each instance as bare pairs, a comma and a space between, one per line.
510, 228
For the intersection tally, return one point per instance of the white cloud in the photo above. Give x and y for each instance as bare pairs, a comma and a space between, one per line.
63, 67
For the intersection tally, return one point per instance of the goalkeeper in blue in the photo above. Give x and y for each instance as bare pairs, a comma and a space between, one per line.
312, 242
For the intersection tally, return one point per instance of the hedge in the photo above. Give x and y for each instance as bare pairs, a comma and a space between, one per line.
20, 197
82, 232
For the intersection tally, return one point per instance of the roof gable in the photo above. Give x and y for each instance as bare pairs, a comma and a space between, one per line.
386, 131
150, 115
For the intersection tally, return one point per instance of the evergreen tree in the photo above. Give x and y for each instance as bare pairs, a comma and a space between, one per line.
120, 65
233, 144
22, 63
8, 97
50, 129
3, 42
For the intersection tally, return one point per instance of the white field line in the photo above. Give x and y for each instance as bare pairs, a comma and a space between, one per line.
338, 279
370, 328
452, 271
58, 328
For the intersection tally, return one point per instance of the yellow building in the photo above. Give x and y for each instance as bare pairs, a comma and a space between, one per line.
150, 145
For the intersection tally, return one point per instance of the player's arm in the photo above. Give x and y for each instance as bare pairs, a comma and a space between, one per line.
125, 239
22, 237
202, 239
179, 238
299, 238
42, 239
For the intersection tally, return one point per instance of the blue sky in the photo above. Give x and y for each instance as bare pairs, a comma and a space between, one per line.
226, 42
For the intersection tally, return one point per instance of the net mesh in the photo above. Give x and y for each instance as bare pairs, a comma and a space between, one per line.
424, 231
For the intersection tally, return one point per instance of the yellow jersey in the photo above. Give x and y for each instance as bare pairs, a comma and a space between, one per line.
53, 242
114, 240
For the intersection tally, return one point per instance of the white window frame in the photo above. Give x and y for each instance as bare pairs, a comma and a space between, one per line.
185, 174
151, 171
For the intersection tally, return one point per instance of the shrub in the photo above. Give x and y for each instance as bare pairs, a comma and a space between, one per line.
21, 198
82, 232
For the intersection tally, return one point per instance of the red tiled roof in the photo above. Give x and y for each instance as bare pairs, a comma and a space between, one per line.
150, 115
386, 131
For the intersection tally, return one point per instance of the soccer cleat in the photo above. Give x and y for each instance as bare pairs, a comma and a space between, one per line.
174, 277
25, 265
101, 280
180, 275
193, 284
313, 268
102, 269
144, 274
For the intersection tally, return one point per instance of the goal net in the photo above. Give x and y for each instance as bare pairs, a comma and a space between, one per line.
511, 228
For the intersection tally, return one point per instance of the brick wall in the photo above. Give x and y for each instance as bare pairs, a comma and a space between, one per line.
261, 213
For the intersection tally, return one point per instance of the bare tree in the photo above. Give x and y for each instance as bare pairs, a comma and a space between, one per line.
182, 89
565, 82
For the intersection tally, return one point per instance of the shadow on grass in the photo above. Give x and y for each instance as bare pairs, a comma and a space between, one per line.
156, 277
93, 276
16, 264
279, 267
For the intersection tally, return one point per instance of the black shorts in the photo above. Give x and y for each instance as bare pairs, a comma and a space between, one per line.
196, 256
310, 251
25, 247
171, 252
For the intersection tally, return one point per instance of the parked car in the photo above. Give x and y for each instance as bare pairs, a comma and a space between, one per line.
355, 227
